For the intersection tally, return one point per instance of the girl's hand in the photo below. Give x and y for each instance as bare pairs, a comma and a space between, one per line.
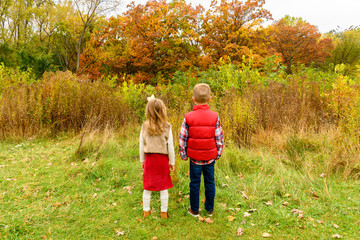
172, 168
142, 166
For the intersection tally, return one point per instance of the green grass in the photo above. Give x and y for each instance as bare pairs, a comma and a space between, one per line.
49, 191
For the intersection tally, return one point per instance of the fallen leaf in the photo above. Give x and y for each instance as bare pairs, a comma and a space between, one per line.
336, 226
314, 225
201, 219
224, 185
57, 204
301, 216
302, 227
154, 238
227, 178
237, 209
223, 204
127, 188
322, 175
208, 220
138, 219
94, 195
243, 194
336, 236
311, 219
243, 222
277, 224
285, 204
241, 176
85, 161
252, 224
119, 233
296, 211
266, 235
269, 203
252, 210
320, 221
287, 195
246, 214
240, 232
179, 200
231, 218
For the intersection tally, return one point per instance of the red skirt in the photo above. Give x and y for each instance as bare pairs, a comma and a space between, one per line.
156, 175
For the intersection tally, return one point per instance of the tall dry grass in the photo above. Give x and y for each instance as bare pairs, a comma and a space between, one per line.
59, 102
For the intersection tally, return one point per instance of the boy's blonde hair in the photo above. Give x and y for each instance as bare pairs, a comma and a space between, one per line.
201, 93
156, 118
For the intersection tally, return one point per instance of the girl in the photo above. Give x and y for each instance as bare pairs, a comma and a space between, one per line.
156, 150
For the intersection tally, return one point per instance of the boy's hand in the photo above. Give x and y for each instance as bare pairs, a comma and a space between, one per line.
142, 166
172, 168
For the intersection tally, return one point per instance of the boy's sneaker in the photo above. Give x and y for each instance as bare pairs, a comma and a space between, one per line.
192, 213
211, 213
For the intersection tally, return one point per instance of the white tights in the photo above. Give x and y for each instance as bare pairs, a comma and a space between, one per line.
164, 198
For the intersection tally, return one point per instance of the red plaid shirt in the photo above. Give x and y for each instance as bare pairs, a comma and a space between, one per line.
184, 136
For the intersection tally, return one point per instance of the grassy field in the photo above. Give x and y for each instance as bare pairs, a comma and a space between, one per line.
50, 190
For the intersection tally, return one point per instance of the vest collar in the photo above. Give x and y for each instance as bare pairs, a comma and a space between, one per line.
201, 107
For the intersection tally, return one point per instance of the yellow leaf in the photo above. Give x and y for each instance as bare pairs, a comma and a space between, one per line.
231, 218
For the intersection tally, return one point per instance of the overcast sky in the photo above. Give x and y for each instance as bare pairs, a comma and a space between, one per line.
325, 14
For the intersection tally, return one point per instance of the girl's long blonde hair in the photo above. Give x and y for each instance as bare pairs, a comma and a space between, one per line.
156, 118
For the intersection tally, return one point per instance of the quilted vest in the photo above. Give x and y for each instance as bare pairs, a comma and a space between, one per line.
156, 144
201, 143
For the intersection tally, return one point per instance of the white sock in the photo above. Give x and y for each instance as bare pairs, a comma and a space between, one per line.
146, 200
164, 198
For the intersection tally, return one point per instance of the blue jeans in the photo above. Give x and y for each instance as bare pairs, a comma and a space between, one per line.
209, 183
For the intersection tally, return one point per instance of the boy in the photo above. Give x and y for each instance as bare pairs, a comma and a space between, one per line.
201, 140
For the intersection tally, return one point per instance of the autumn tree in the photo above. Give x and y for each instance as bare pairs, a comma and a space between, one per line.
347, 48
232, 29
88, 11
297, 41
155, 38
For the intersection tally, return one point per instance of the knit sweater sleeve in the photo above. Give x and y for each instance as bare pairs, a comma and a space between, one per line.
141, 148
170, 143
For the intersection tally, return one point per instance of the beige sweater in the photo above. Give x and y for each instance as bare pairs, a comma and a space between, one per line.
162, 144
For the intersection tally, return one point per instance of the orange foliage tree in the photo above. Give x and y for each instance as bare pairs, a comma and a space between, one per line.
297, 41
232, 29
147, 40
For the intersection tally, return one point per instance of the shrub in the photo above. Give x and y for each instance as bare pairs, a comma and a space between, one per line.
237, 118
60, 102
298, 105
